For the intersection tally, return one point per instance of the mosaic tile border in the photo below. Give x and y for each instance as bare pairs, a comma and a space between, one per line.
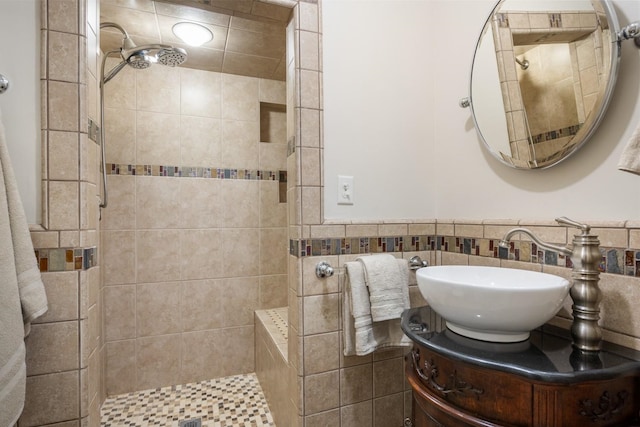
359, 245
623, 261
555, 134
196, 172
66, 259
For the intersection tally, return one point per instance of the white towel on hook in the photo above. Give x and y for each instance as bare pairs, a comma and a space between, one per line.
630, 158
22, 295
361, 334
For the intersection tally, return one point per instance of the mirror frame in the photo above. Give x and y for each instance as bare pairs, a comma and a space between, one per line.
599, 108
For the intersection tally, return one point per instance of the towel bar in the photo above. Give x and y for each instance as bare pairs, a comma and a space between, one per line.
324, 269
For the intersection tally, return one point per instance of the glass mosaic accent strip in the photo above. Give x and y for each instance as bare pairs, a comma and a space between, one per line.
196, 172
624, 261
66, 259
359, 245
555, 134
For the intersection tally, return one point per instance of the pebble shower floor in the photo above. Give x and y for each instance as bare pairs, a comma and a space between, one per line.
235, 401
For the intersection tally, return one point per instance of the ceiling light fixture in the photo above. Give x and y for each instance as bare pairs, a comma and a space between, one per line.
192, 34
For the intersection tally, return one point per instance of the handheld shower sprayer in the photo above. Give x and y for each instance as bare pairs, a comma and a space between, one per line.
140, 58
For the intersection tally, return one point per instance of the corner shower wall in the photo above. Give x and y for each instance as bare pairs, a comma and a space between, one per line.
195, 234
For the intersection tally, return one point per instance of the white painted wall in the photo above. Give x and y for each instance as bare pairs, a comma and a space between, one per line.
20, 105
438, 167
378, 78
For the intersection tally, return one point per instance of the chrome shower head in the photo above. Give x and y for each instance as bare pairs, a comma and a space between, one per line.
140, 57
139, 60
172, 57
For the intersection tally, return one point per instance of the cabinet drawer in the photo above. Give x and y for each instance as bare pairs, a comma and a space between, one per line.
605, 403
482, 393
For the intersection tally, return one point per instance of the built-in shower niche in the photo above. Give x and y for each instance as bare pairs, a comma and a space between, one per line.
273, 129
273, 122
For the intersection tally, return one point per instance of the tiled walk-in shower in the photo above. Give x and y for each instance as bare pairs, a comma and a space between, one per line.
235, 401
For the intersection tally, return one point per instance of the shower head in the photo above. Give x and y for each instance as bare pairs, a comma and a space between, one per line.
141, 57
172, 57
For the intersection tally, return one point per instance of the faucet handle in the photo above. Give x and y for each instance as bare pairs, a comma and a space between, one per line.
571, 223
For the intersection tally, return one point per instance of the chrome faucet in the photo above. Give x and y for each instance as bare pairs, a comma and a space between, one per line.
585, 256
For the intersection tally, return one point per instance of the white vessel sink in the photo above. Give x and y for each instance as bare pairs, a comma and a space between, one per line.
492, 303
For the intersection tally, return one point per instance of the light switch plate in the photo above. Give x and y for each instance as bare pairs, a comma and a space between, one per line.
345, 190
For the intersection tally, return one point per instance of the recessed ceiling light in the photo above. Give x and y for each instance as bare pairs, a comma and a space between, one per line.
192, 34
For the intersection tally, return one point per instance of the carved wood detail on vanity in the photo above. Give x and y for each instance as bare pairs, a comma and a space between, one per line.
476, 396
453, 386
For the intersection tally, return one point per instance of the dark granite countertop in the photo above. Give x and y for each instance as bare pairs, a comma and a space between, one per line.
546, 356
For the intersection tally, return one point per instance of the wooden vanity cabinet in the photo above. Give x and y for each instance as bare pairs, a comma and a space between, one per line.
543, 382
454, 394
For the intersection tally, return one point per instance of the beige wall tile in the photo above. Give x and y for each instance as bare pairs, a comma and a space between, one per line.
201, 254
52, 347
205, 356
120, 135
310, 127
62, 296
63, 155
273, 213
320, 392
157, 90
321, 353
157, 256
240, 144
119, 257
388, 410
240, 298
321, 314
158, 309
617, 314
120, 91
63, 56
119, 312
201, 203
157, 138
357, 415
272, 91
201, 304
200, 141
241, 201
51, 398
63, 109
200, 93
356, 384
273, 291
158, 361
240, 244
329, 418
63, 16
388, 376
157, 202
63, 205
121, 211
311, 284
273, 156
273, 250
239, 98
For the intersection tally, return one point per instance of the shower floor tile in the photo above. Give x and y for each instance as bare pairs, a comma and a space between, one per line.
224, 402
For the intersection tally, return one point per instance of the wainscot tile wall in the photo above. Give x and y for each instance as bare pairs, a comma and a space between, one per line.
340, 390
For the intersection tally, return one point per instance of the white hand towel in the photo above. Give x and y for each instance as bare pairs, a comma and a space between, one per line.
388, 281
22, 296
630, 158
361, 334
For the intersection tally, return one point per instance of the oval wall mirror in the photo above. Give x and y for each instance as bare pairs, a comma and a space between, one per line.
542, 76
